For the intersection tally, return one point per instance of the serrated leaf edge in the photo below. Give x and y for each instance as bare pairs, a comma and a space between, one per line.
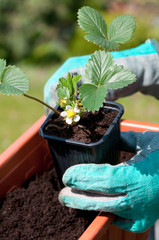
93, 21
7, 67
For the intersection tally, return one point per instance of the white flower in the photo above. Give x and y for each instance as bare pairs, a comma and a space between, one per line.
76, 118
71, 114
63, 114
68, 107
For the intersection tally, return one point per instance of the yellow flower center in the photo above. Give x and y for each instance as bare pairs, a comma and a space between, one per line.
63, 101
71, 113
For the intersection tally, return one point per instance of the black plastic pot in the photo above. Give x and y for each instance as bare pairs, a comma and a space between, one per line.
66, 152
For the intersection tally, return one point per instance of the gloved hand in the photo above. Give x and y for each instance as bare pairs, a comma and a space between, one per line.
130, 190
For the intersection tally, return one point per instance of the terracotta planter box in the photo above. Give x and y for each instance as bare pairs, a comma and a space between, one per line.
29, 154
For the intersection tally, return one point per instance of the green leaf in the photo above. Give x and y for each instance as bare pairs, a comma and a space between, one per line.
92, 22
13, 81
63, 92
67, 86
101, 73
102, 42
118, 77
92, 96
121, 28
94, 25
75, 80
63, 89
97, 67
2, 66
101, 70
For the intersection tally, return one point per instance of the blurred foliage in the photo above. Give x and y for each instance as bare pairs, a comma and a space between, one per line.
47, 31
38, 31
35, 30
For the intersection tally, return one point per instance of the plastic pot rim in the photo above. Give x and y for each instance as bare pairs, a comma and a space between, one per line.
117, 106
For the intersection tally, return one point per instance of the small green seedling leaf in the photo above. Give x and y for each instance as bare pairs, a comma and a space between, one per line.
63, 89
13, 81
92, 96
119, 31
75, 80
67, 87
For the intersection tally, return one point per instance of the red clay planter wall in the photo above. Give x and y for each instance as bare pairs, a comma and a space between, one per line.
29, 154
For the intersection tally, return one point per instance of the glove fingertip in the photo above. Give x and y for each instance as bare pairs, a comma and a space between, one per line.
63, 195
68, 176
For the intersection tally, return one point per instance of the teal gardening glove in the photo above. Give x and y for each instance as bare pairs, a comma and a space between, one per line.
130, 190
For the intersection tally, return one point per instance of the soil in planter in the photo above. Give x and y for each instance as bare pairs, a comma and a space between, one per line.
90, 128
34, 212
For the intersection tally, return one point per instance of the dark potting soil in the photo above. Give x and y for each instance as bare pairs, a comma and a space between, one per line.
90, 128
33, 211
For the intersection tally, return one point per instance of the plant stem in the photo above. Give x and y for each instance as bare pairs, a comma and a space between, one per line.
45, 104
